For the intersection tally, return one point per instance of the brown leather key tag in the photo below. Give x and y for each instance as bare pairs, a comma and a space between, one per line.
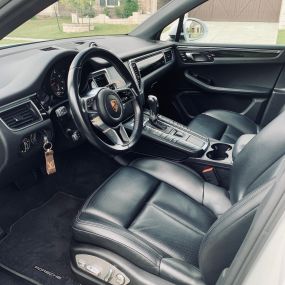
50, 163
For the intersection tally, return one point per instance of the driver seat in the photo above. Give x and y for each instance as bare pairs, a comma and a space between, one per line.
158, 222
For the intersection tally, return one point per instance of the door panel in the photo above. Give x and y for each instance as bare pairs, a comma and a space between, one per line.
235, 79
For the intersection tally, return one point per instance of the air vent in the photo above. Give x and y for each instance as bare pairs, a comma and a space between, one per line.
136, 73
168, 56
92, 44
21, 116
101, 80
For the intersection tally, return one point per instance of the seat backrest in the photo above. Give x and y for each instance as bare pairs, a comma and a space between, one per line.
259, 160
255, 171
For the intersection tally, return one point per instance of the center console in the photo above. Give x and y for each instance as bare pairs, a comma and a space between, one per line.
176, 135
166, 138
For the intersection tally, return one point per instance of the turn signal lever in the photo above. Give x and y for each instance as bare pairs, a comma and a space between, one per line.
153, 117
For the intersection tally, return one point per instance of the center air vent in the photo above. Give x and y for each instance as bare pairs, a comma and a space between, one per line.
92, 44
21, 116
168, 55
136, 73
101, 80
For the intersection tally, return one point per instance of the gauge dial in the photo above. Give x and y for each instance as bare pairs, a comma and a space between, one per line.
58, 82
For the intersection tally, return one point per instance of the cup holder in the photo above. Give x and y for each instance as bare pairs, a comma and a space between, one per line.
219, 151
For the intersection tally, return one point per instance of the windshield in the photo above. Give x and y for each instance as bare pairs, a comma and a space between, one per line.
77, 18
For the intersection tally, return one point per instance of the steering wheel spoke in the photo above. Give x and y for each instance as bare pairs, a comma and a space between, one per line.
116, 135
88, 103
113, 136
124, 134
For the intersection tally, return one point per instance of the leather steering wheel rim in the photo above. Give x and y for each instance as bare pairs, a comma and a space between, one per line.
80, 116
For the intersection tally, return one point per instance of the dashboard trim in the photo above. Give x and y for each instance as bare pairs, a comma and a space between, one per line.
142, 57
152, 53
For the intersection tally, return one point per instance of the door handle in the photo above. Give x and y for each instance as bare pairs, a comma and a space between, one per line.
199, 57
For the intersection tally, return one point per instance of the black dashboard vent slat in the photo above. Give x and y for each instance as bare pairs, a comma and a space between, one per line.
168, 55
137, 73
20, 116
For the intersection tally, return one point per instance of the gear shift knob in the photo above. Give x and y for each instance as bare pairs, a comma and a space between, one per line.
153, 107
153, 115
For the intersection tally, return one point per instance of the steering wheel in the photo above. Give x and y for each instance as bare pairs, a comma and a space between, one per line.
102, 108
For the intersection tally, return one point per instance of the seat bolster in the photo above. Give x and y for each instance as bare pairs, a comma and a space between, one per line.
216, 199
119, 240
223, 125
236, 120
226, 235
208, 126
178, 176
180, 272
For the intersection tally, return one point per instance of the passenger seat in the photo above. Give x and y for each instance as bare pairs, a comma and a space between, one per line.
225, 126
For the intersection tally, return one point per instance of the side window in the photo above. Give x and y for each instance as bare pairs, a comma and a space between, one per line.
249, 22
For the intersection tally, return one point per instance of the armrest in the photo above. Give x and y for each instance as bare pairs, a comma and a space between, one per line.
241, 143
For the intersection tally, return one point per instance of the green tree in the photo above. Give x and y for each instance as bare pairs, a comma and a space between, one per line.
107, 11
127, 8
130, 6
81, 7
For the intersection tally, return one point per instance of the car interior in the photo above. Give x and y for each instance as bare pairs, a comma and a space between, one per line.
131, 160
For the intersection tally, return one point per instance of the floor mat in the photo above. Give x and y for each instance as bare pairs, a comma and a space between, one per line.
79, 172
38, 244
8, 278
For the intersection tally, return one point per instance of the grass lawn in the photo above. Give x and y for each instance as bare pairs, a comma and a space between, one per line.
281, 37
48, 29
12, 42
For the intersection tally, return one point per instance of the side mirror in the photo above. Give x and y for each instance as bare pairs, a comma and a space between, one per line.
194, 29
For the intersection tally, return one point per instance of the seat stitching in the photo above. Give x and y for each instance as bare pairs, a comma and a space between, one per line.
120, 232
194, 229
174, 189
98, 189
115, 241
144, 204
240, 204
167, 161
228, 226
149, 241
172, 186
234, 113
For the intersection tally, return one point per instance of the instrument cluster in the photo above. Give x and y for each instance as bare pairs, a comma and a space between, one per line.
54, 88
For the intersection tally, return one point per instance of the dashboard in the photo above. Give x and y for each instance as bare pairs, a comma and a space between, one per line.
33, 92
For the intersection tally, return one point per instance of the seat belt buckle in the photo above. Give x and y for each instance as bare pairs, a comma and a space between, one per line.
210, 176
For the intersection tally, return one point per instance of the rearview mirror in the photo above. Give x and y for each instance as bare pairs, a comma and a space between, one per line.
193, 29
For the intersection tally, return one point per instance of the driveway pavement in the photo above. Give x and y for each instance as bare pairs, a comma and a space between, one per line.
239, 33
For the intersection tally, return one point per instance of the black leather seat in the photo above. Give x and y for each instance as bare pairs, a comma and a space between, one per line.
222, 125
156, 219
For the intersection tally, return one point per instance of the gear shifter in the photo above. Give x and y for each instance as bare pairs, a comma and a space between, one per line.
153, 107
